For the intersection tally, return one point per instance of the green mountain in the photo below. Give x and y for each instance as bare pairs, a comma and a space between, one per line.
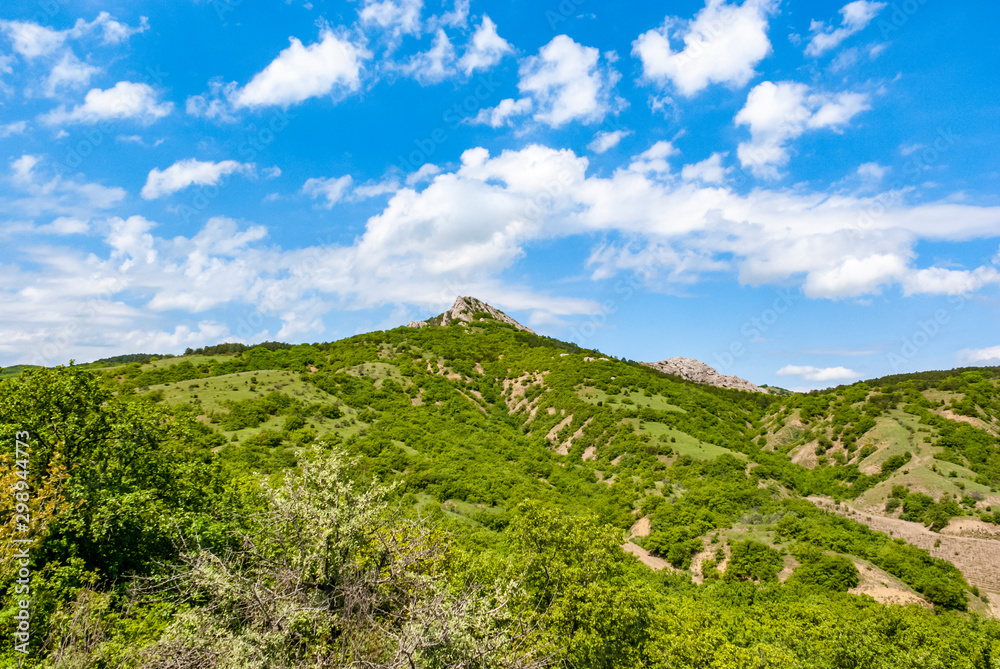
547, 504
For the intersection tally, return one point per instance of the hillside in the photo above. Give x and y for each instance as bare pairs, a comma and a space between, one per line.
527, 451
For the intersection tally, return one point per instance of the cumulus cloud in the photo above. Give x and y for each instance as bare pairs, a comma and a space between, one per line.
568, 83
331, 65
32, 40
980, 356
15, 128
125, 100
426, 172
818, 374
503, 113
69, 72
606, 140
38, 193
722, 44
435, 64
190, 172
871, 171
777, 113
333, 190
709, 171
465, 227
398, 18
485, 49
855, 16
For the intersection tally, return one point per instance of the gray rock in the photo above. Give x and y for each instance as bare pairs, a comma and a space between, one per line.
464, 308
699, 372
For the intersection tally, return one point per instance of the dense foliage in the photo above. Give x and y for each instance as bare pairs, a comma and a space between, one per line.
458, 496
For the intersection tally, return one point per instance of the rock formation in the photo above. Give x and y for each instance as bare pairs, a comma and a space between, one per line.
699, 372
463, 310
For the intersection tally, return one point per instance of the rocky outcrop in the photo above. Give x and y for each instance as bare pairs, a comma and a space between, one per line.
699, 372
468, 309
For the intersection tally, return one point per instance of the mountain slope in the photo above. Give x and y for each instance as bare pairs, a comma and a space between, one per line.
527, 451
480, 412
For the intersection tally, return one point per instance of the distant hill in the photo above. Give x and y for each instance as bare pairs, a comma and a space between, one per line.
654, 499
14, 370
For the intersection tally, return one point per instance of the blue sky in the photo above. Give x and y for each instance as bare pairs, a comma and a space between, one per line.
801, 194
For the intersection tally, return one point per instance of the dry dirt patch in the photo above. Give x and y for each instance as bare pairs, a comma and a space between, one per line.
644, 556
976, 558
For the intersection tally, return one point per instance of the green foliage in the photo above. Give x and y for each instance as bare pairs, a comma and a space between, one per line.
752, 560
829, 572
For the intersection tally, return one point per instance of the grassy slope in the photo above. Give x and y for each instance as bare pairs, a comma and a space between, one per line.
449, 388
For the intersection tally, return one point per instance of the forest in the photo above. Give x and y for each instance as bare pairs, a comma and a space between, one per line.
459, 496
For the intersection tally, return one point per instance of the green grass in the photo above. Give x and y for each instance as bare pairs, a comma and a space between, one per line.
656, 402
378, 372
211, 395
890, 437
685, 444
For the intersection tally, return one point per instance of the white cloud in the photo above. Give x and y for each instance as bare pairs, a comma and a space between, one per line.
722, 44
190, 172
32, 40
654, 159
464, 230
69, 72
426, 172
15, 128
458, 17
818, 374
568, 83
486, 48
399, 18
374, 189
606, 140
66, 225
125, 100
434, 65
855, 16
872, 171
709, 171
980, 356
502, 114
779, 112
216, 103
942, 281
112, 31
299, 72
856, 275
333, 190
41, 195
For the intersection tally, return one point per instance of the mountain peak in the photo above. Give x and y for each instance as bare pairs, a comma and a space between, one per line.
698, 372
468, 309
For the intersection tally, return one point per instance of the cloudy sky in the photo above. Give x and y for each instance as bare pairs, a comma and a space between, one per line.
802, 194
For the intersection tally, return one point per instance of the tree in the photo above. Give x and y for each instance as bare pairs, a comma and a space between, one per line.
326, 575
